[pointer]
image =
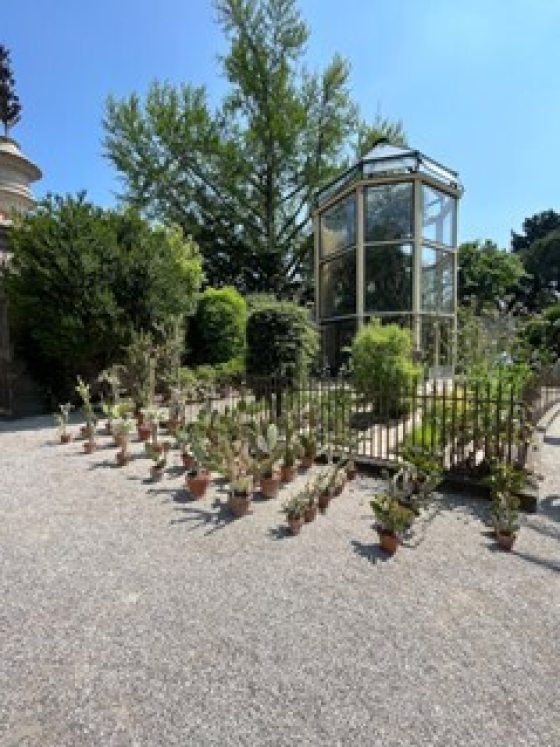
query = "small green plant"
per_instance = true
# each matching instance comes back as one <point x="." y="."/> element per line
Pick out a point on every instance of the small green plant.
<point x="295" y="507"/>
<point x="84" y="392"/>
<point x="61" y="418"/>
<point x="391" y="516"/>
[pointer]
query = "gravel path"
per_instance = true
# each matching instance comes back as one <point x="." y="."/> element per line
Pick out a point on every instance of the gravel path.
<point x="131" y="617"/>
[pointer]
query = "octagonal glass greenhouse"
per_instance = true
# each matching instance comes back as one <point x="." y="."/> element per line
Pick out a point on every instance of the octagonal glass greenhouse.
<point x="386" y="246"/>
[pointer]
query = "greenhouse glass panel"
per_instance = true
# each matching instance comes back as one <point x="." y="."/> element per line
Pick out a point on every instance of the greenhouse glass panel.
<point x="388" y="278"/>
<point x="437" y="216"/>
<point x="438" y="281"/>
<point x="388" y="212"/>
<point x="336" y="339"/>
<point x="338" y="226"/>
<point x="338" y="286"/>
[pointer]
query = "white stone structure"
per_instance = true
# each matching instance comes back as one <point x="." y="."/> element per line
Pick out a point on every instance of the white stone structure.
<point x="16" y="174"/>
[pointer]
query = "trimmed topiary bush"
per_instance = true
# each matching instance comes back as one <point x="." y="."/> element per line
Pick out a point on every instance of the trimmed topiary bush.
<point x="382" y="364"/>
<point x="281" y="341"/>
<point x="218" y="328"/>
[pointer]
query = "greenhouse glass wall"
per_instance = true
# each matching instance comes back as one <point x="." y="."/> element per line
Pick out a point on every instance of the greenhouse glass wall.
<point x="386" y="246"/>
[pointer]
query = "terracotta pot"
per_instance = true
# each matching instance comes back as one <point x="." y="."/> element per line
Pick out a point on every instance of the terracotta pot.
<point x="144" y="431"/>
<point x="197" y="483"/>
<point x="287" y="474"/>
<point x="188" y="461"/>
<point x="157" y="448"/>
<point x="505" y="541"/>
<point x="65" y="438"/>
<point x="156" y="473"/>
<point x="295" y="525"/>
<point x="89" y="447"/>
<point x="122" y="459"/>
<point x="117" y="439"/>
<point x="108" y="428"/>
<point x="85" y="430"/>
<point x="239" y="505"/>
<point x="351" y="473"/>
<point x="310" y="513"/>
<point x="324" y="500"/>
<point x="389" y="541"/>
<point x="139" y="418"/>
<point x="307" y="462"/>
<point x="270" y="486"/>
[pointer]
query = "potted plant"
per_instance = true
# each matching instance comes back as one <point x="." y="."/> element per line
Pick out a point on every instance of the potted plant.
<point x="324" y="488"/>
<point x="84" y="393"/>
<point x="295" y="510"/>
<point x="338" y="480"/>
<point x="198" y="477"/>
<point x="392" y="520"/>
<point x="505" y="481"/>
<point x="61" y="419"/>
<point x="267" y="454"/>
<point x="506" y="520"/>
<point x="90" y="445"/>
<point x="308" y="443"/>
<point x="351" y="469"/>
<point x="241" y="489"/>
<point x="310" y="504"/>
<point x="121" y="432"/>
<point x="183" y="440"/>
<point x="158" y="466"/>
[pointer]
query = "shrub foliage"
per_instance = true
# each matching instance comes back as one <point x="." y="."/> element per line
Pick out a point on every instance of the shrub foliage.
<point x="382" y="361"/>
<point x="281" y="341"/>
<point x="83" y="280"/>
<point x="218" y="328"/>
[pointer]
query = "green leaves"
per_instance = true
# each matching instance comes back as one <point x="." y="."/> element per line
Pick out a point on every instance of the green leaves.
<point x="241" y="179"/>
<point x="83" y="279"/>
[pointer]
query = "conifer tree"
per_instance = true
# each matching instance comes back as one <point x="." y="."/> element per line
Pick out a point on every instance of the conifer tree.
<point x="10" y="107"/>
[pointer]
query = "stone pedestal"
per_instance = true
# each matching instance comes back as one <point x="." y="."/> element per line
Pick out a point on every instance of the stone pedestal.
<point x="16" y="174"/>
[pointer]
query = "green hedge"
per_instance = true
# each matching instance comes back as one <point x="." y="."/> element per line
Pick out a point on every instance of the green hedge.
<point x="281" y="341"/>
<point x="218" y="327"/>
<point x="382" y="363"/>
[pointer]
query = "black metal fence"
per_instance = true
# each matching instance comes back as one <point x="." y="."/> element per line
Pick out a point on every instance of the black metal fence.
<point x="464" y="425"/>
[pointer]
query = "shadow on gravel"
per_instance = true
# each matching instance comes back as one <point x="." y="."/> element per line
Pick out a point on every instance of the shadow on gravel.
<point x="200" y="517"/>
<point x="282" y="531"/>
<point x="550" y="507"/>
<point x="551" y="565"/>
<point x="372" y="553"/>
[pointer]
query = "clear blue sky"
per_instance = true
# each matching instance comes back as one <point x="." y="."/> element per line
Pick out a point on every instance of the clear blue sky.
<point x="475" y="82"/>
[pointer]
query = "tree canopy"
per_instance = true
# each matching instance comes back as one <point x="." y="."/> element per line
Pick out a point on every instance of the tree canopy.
<point x="83" y="279"/>
<point x="534" y="228"/>
<point x="487" y="274"/>
<point x="10" y="107"/>
<point x="241" y="178"/>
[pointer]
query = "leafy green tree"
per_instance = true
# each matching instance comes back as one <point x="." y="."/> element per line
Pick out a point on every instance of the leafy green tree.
<point x="542" y="332"/>
<point x="488" y="275"/>
<point x="542" y="262"/>
<point x="382" y="130"/>
<point x="83" y="279"/>
<point x="241" y="178"/>
<point x="10" y="107"/>
<point x="535" y="227"/>
<point x="218" y="327"/>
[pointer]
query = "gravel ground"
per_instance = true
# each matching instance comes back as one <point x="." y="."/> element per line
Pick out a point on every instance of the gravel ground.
<point x="132" y="617"/>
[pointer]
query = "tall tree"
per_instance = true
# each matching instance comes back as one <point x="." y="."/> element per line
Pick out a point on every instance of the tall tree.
<point x="241" y="178"/>
<point x="489" y="276"/>
<point x="535" y="227"/>
<point x="542" y="262"/>
<point x="10" y="107"/>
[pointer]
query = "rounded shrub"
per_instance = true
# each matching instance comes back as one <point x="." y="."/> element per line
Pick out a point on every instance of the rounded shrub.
<point x="218" y="328"/>
<point x="382" y="364"/>
<point x="281" y="341"/>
